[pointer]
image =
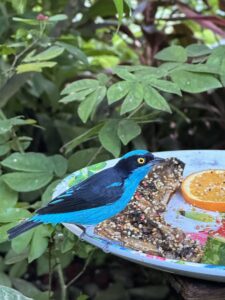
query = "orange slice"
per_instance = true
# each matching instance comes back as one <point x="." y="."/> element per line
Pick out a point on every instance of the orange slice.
<point x="205" y="189"/>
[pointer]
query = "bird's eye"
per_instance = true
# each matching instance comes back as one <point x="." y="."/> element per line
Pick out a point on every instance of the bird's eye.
<point x="141" y="160"/>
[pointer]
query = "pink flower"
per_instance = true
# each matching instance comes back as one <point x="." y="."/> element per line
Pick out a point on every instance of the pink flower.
<point x="41" y="17"/>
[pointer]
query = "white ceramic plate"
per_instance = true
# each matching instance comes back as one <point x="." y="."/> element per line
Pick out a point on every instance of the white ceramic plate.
<point x="195" y="160"/>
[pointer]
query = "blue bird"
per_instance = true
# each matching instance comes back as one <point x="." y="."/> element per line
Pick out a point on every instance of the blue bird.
<point x="99" y="197"/>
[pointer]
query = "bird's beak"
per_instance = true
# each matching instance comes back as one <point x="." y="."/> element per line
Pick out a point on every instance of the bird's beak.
<point x="156" y="160"/>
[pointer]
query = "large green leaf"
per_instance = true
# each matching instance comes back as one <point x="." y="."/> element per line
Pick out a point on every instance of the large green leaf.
<point x="13" y="214"/>
<point x="28" y="162"/>
<point x="109" y="138"/>
<point x="27" y="182"/>
<point x="172" y="53"/>
<point x="60" y="164"/>
<point x="8" y="197"/>
<point x="46" y="55"/>
<point x="81" y="158"/>
<point x="35" y="67"/>
<point x="7" y="293"/>
<point x="80" y="85"/>
<point x="128" y="130"/>
<point x="20" y="243"/>
<point x="117" y="91"/>
<point x="77" y="96"/>
<point x="39" y="242"/>
<point x="166" y="86"/>
<point x="4" y="149"/>
<point x="133" y="98"/>
<point x="5" y="280"/>
<point x="90" y="103"/>
<point x="155" y="100"/>
<point x="196" y="50"/>
<point x="47" y="195"/>
<point x="194" y="82"/>
<point x="124" y="74"/>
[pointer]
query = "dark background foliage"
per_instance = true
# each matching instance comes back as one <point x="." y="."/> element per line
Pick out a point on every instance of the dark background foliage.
<point x="85" y="81"/>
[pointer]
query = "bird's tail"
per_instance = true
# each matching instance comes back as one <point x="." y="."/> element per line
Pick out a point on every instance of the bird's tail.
<point x="21" y="228"/>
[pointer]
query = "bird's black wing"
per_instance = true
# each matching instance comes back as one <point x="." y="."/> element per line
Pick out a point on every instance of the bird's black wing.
<point x="100" y="189"/>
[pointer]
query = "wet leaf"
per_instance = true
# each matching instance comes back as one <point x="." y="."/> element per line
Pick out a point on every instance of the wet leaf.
<point x="128" y="130"/>
<point x="7" y="293"/>
<point x="109" y="138"/>
<point x="172" y="53"/>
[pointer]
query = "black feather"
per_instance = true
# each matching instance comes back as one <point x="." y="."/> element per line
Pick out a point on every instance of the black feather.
<point x="93" y="192"/>
<point x="17" y="230"/>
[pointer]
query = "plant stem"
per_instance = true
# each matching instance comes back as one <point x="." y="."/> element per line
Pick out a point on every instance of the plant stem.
<point x="62" y="284"/>
<point x="95" y="155"/>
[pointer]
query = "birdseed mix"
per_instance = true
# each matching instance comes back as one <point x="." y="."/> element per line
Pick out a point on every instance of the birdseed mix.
<point x="141" y="226"/>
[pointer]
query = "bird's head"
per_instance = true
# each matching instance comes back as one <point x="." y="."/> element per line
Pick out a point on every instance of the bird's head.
<point x="140" y="161"/>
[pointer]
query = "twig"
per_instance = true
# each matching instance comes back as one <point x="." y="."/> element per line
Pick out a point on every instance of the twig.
<point x="62" y="284"/>
<point x="82" y="271"/>
<point x="50" y="268"/>
<point x="95" y="155"/>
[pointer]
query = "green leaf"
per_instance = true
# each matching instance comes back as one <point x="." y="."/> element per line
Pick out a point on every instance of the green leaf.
<point x="200" y="68"/>
<point x="25" y="287"/>
<point x="77" y="53"/>
<point x="4" y="231"/>
<point x="5" y="280"/>
<point x="109" y="138"/>
<point x="81" y="158"/>
<point x="90" y="103"/>
<point x="18" y="269"/>
<point x="28" y="162"/>
<point x="57" y="18"/>
<point x="5" y="126"/>
<point x="80" y="85"/>
<point x="20" y="243"/>
<point x="8" y="196"/>
<point x="7" y="293"/>
<point x="194" y="82"/>
<point x="39" y="243"/>
<point x="77" y="96"/>
<point x="60" y="164"/>
<point x="46" y="55"/>
<point x="12" y="214"/>
<point x="4" y="149"/>
<point x="27" y="182"/>
<point x="133" y="99"/>
<point x="166" y="86"/>
<point x="35" y="67"/>
<point x="119" y="8"/>
<point x="47" y="195"/>
<point x="216" y="58"/>
<point x="84" y="137"/>
<point x="155" y="100"/>
<point x="82" y="297"/>
<point x="196" y="50"/>
<point x="172" y="53"/>
<point x="26" y="21"/>
<point x="128" y="130"/>
<point x="124" y="74"/>
<point x="117" y="91"/>
<point x="12" y="257"/>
